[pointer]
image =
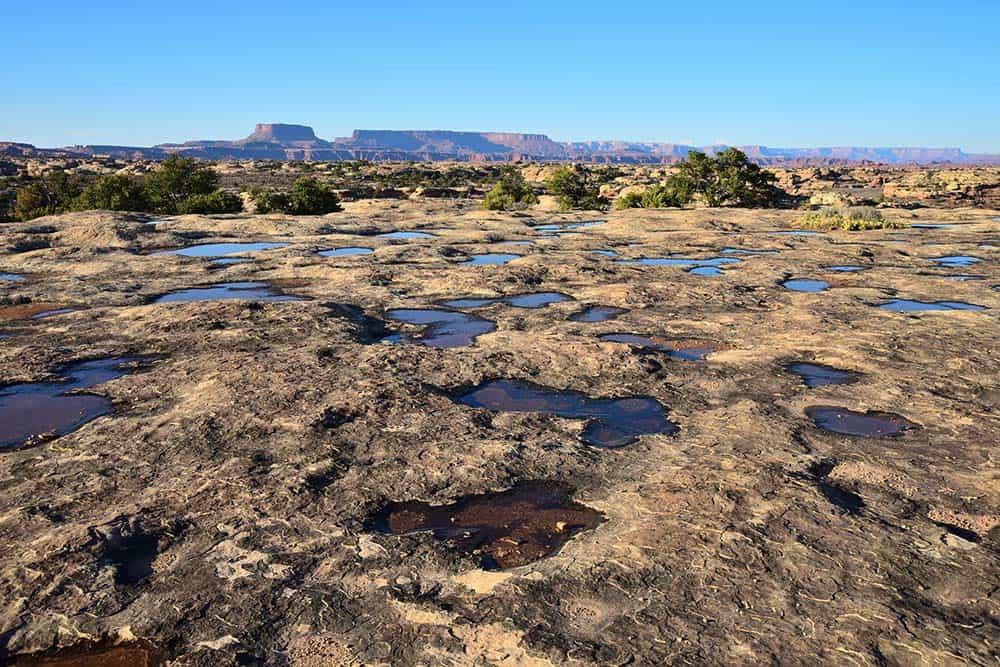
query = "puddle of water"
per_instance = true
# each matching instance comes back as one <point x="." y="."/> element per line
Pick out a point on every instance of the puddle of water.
<point x="685" y="350"/>
<point x="680" y="261"/>
<point x="507" y="529"/>
<point x="517" y="243"/>
<point x="346" y="252"/>
<point x="52" y="313"/>
<point x="406" y="235"/>
<point x="931" y="225"/>
<point x="443" y="328"/>
<point x="565" y="226"/>
<point x="226" y="261"/>
<point x="469" y="303"/>
<point x="13" y="277"/>
<point x="818" y="375"/>
<point x="220" y="249"/>
<point x="34" y="411"/>
<point x="910" y="305"/>
<point x="597" y="314"/>
<point x="747" y="251"/>
<point x="805" y="285"/>
<point x="957" y="261"/>
<point x="90" y="654"/>
<point x="536" y="299"/>
<point x="605" y="253"/>
<point x="863" y="424"/>
<point x="846" y="268"/>
<point x="251" y="291"/>
<point x="24" y="311"/>
<point x="705" y="271"/>
<point x="963" y="277"/>
<point x="490" y="258"/>
<point x="611" y="422"/>
<point x="797" y="232"/>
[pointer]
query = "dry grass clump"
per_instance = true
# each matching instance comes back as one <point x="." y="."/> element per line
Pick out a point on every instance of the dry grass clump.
<point x="851" y="218"/>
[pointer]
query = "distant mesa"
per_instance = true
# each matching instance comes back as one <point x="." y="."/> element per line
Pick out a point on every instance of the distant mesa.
<point x="282" y="141"/>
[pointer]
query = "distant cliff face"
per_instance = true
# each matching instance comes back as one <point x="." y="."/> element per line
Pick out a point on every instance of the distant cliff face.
<point x="280" y="141"/>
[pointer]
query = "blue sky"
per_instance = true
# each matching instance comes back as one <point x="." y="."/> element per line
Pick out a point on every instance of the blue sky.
<point x="803" y="73"/>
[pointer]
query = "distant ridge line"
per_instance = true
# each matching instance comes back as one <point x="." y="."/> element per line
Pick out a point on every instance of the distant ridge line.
<point x="282" y="141"/>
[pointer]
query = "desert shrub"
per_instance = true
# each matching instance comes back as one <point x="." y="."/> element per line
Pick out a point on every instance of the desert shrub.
<point x="114" y="192"/>
<point x="510" y="192"/>
<point x="49" y="194"/>
<point x="218" y="201"/>
<point x="851" y="218"/>
<point x="729" y="179"/>
<point x="675" y="192"/>
<point x="177" y="179"/>
<point x="270" y="201"/>
<point x="628" y="200"/>
<point x="576" y="188"/>
<point x="310" y="197"/>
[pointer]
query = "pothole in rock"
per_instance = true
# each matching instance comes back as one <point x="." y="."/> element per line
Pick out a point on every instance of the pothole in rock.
<point x="805" y="285"/>
<point x="554" y="229"/>
<point x="869" y="424"/>
<point x="249" y="291"/>
<point x="604" y="253"/>
<point x="846" y="268"/>
<point x="819" y="375"/>
<point x="505" y="529"/>
<point x="92" y="654"/>
<point x="405" y="235"/>
<point x="683" y="262"/>
<point x="529" y="300"/>
<point x="964" y="277"/>
<point x="612" y="422"/>
<point x="598" y="314"/>
<point x="33" y="311"/>
<point x="11" y="277"/>
<point x="490" y="258"/>
<point x="910" y="305"/>
<point x="220" y="249"/>
<point x="932" y="225"/>
<point x="350" y="251"/>
<point x="442" y="328"/>
<point x="957" y="261"/>
<point x="33" y="412"/>
<point x="747" y="251"/>
<point x="226" y="261"/>
<point x="688" y="350"/>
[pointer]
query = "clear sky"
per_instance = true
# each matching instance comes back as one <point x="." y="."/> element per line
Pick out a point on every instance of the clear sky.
<point x="878" y="72"/>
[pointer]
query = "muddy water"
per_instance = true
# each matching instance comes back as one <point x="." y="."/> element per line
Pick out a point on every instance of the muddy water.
<point x="686" y="350"/>
<point x="220" y="249"/>
<point x="442" y="328"/>
<point x="346" y="252"/>
<point x="508" y="529"/>
<point x="597" y="314"/>
<point x="52" y="313"/>
<point x="34" y="411"/>
<point x="250" y="291"/>
<point x="91" y="655"/>
<point x="869" y="424"/>
<point x="818" y="375"/>
<point x="611" y="422"/>
<point x="805" y="285"/>
<point x="490" y="258"/>
<point x="909" y="305"/>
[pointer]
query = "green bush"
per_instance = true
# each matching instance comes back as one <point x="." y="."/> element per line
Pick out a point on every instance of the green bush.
<point x="851" y="218"/>
<point x="113" y="192"/>
<point x="675" y="192"/>
<point x="629" y="200"/>
<point x="510" y="192"/>
<point x="269" y="201"/>
<point x="729" y="179"/>
<point x="176" y="180"/>
<point x="576" y="189"/>
<point x="50" y="194"/>
<point x="310" y="197"/>
<point x="218" y="201"/>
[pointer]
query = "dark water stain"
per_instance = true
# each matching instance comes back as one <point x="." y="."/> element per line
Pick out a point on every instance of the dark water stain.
<point x="442" y="328"/>
<point x="12" y="277"/>
<point x="91" y="654"/>
<point x="529" y="300"/>
<point x="251" y="291"/>
<point x="220" y="249"/>
<point x="819" y="375"/>
<point x="32" y="412"/>
<point x="869" y="424"/>
<point x="957" y="261"/>
<point x="368" y="329"/>
<point x="406" y="235"/>
<point x="346" y="252"/>
<point x="597" y="314"/>
<point x="226" y="261"/>
<point x="805" y="285"/>
<point x="686" y="350"/>
<point x="490" y="258"/>
<point x="130" y="551"/>
<point x="910" y="305"/>
<point x="958" y="531"/>
<point x="848" y="501"/>
<point x="846" y="268"/>
<point x="505" y="529"/>
<point x="611" y="422"/>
